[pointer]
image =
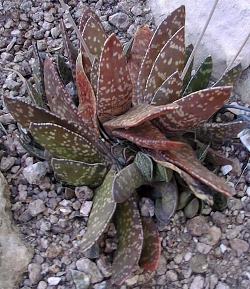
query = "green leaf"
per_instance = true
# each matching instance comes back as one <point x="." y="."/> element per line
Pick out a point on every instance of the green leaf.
<point x="165" y="206"/>
<point x="192" y="208"/>
<point x="126" y="182"/>
<point x="151" y="249"/>
<point x="200" y="79"/>
<point x="220" y="202"/>
<point x="187" y="77"/>
<point x="130" y="241"/>
<point x="145" y="165"/>
<point x="64" y="70"/>
<point x="230" y="77"/>
<point x="162" y="174"/>
<point x="62" y="143"/>
<point x="184" y="198"/>
<point x="77" y="173"/>
<point x="101" y="212"/>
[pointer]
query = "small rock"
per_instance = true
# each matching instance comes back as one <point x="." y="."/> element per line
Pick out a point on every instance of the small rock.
<point x="36" y="207"/>
<point x="34" y="173"/>
<point x="55" y="32"/>
<point x="234" y="204"/>
<point x="53" y="281"/>
<point x="7" y="163"/>
<point x="213" y="280"/>
<point x="7" y="56"/>
<point x="197" y="283"/>
<point x="233" y="233"/>
<point x="239" y="246"/>
<point x="84" y="193"/>
<point x="222" y="285"/>
<point x="147" y="207"/>
<point x="197" y="226"/>
<point x="226" y="169"/>
<point x="69" y="193"/>
<point x="42" y="285"/>
<point x="223" y="248"/>
<point x="12" y="84"/>
<point x="81" y="279"/>
<point x="89" y="267"/>
<point x="219" y="219"/>
<point x="34" y="273"/>
<point x="203" y="248"/>
<point x="93" y="252"/>
<point x="132" y="281"/>
<point x="199" y="263"/>
<point x="102" y="285"/>
<point x="212" y="237"/>
<point x="86" y="208"/>
<point x="53" y="251"/>
<point x="172" y="276"/>
<point x="137" y="10"/>
<point x="120" y="20"/>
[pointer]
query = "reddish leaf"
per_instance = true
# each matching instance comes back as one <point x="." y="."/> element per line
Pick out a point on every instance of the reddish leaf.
<point x="141" y="41"/>
<point x="151" y="249"/>
<point x="164" y="32"/>
<point x="114" y="91"/>
<point x="94" y="74"/>
<point x="195" y="108"/>
<point x="169" y="91"/>
<point x="186" y="160"/>
<point x="130" y="241"/>
<point x="230" y="77"/>
<point x="139" y="114"/>
<point x="147" y="136"/>
<point x="170" y="59"/>
<point x="86" y="96"/>
<point x="85" y="17"/>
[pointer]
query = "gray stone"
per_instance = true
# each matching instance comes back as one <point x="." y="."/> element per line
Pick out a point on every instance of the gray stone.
<point x="239" y="246"/>
<point x="89" y="267"/>
<point x="42" y="285"/>
<point x="7" y="56"/>
<point x="86" y="208"/>
<point x="36" y="172"/>
<point x="197" y="283"/>
<point x="172" y="276"/>
<point x="34" y="273"/>
<point x="222" y="285"/>
<point x="81" y="279"/>
<point x="102" y="285"/>
<point x="84" y="193"/>
<point x="213" y="280"/>
<point x="53" y="281"/>
<point x="36" y="207"/>
<point x="10" y="243"/>
<point x="199" y="263"/>
<point x="197" y="226"/>
<point x="203" y="248"/>
<point x="147" y="207"/>
<point x="137" y="10"/>
<point x="120" y="20"/>
<point x="7" y="163"/>
<point x="11" y="84"/>
<point x="55" y="32"/>
<point x="212" y="237"/>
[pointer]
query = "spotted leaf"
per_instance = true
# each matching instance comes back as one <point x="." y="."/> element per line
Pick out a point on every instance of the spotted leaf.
<point x="170" y="59"/>
<point x="126" y="182"/>
<point x="151" y="249"/>
<point x="139" y="114"/>
<point x="230" y="77"/>
<point x="79" y="173"/>
<point x="138" y="50"/>
<point x="145" y="165"/>
<point x="166" y="205"/>
<point x="188" y="51"/>
<point x="147" y="136"/>
<point x="85" y="17"/>
<point x="130" y="241"/>
<point x="169" y="91"/>
<point x="114" y="93"/>
<point x="200" y="79"/>
<point x="94" y="74"/>
<point x="86" y="96"/>
<point x="63" y="143"/>
<point x="195" y="108"/>
<point x="64" y="70"/>
<point x="163" y="33"/>
<point x="101" y="213"/>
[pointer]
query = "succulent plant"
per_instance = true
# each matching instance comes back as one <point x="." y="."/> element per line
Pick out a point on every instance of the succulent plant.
<point x="126" y="131"/>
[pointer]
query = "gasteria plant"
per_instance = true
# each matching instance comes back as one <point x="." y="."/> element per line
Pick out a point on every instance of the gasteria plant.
<point x="126" y="131"/>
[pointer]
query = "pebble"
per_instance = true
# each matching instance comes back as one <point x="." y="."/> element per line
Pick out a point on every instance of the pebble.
<point x="34" y="273"/>
<point x="203" y="248"/>
<point x="212" y="237"/>
<point x="197" y="226"/>
<point x="172" y="276"/>
<point x="120" y="20"/>
<point x="239" y="246"/>
<point x="86" y="208"/>
<point x="36" y="172"/>
<point x="84" y="193"/>
<point x="222" y="285"/>
<point x="199" y="263"/>
<point x="53" y="281"/>
<point x="89" y="267"/>
<point x="197" y="283"/>
<point x="42" y="285"/>
<point x="226" y="169"/>
<point x="36" y="207"/>
<point x="7" y="163"/>
<point x="81" y="279"/>
<point x="147" y="207"/>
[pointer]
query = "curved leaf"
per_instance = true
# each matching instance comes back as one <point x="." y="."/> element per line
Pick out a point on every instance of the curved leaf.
<point x="151" y="249"/>
<point x="188" y="51"/>
<point x="126" y="182"/>
<point x="162" y="174"/>
<point x="77" y="173"/>
<point x="94" y="74"/>
<point x="130" y="241"/>
<point x="114" y="92"/>
<point x="64" y="70"/>
<point x="87" y="13"/>
<point x="230" y="77"/>
<point x="145" y="165"/>
<point x="64" y="144"/>
<point x="192" y="208"/>
<point x="101" y="212"/>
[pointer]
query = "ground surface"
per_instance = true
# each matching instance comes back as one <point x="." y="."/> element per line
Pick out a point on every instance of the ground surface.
<point x="209" y="251"/>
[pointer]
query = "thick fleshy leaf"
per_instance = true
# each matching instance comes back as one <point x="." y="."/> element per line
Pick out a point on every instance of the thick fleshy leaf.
<point x="184" y="198"/>
<point x="230" y="77"/>
<point x="62" y="143"/>
<point x="186" y="160"/>
<point x="169" y="91"/>
<point x="200" y="79"/>
<point x="188" y="75"/>
<point x="140" y="114"/>
<point x="162" y="174"/>
<point x="139" y="47"/>
<point x="101" y="213"/>
<point x="147" y="136"/>
<point x="114" y="93"/>
<point x="71" y="51"/>
<point x="221" y="132"/>
<point x="87" y="13"/>
<point x="151" y="249"/>
<point x="94" y="74"/>
<point x="170" y="59"/>
<point x="94" y="36"/>
<point x="166" y="205"/>
<point x="195" y="108"/>
<point x="126" y="182"/>
<point x="163" y="33"/>
<point x="192" y="208"/>
<point x="130" y="241"/>
<point x="145" y="165"/>
<point x="64" y="70"/>
<point x="86" y="96"/>
<point x="79" y="173"/>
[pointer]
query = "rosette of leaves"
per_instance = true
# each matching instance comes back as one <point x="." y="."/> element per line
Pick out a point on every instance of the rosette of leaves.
<point x="124" y="132"/>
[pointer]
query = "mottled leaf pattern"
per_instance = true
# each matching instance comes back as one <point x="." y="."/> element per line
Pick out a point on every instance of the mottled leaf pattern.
<point x="151" y="249"/>
<point x="94" y="74"/>
<point x="140" y="114"/>
<point x="169" y="91"/>
<point x="86" y="96"/>
<point x="79" y="173"/>
<point x="85" y="17"/>
<point x="187" y="77"/>
<point x="147" y="136"/>
<point x="64" y="70"/>
<point x="126" y="181"/>
<point x="230" y="77"/>
<point x="101" y="212"/>
<point x="163" y="33"/>
<point x="170" y="59"/>
<point x="140" y="44"/>
<point x="145" y="165"/>
<point x="114" y="93"/>
<point x="65" y="144"/>
<point x="200" y="79"/>
<point x="130" y="241"/>
<point x="195" y="108"/>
